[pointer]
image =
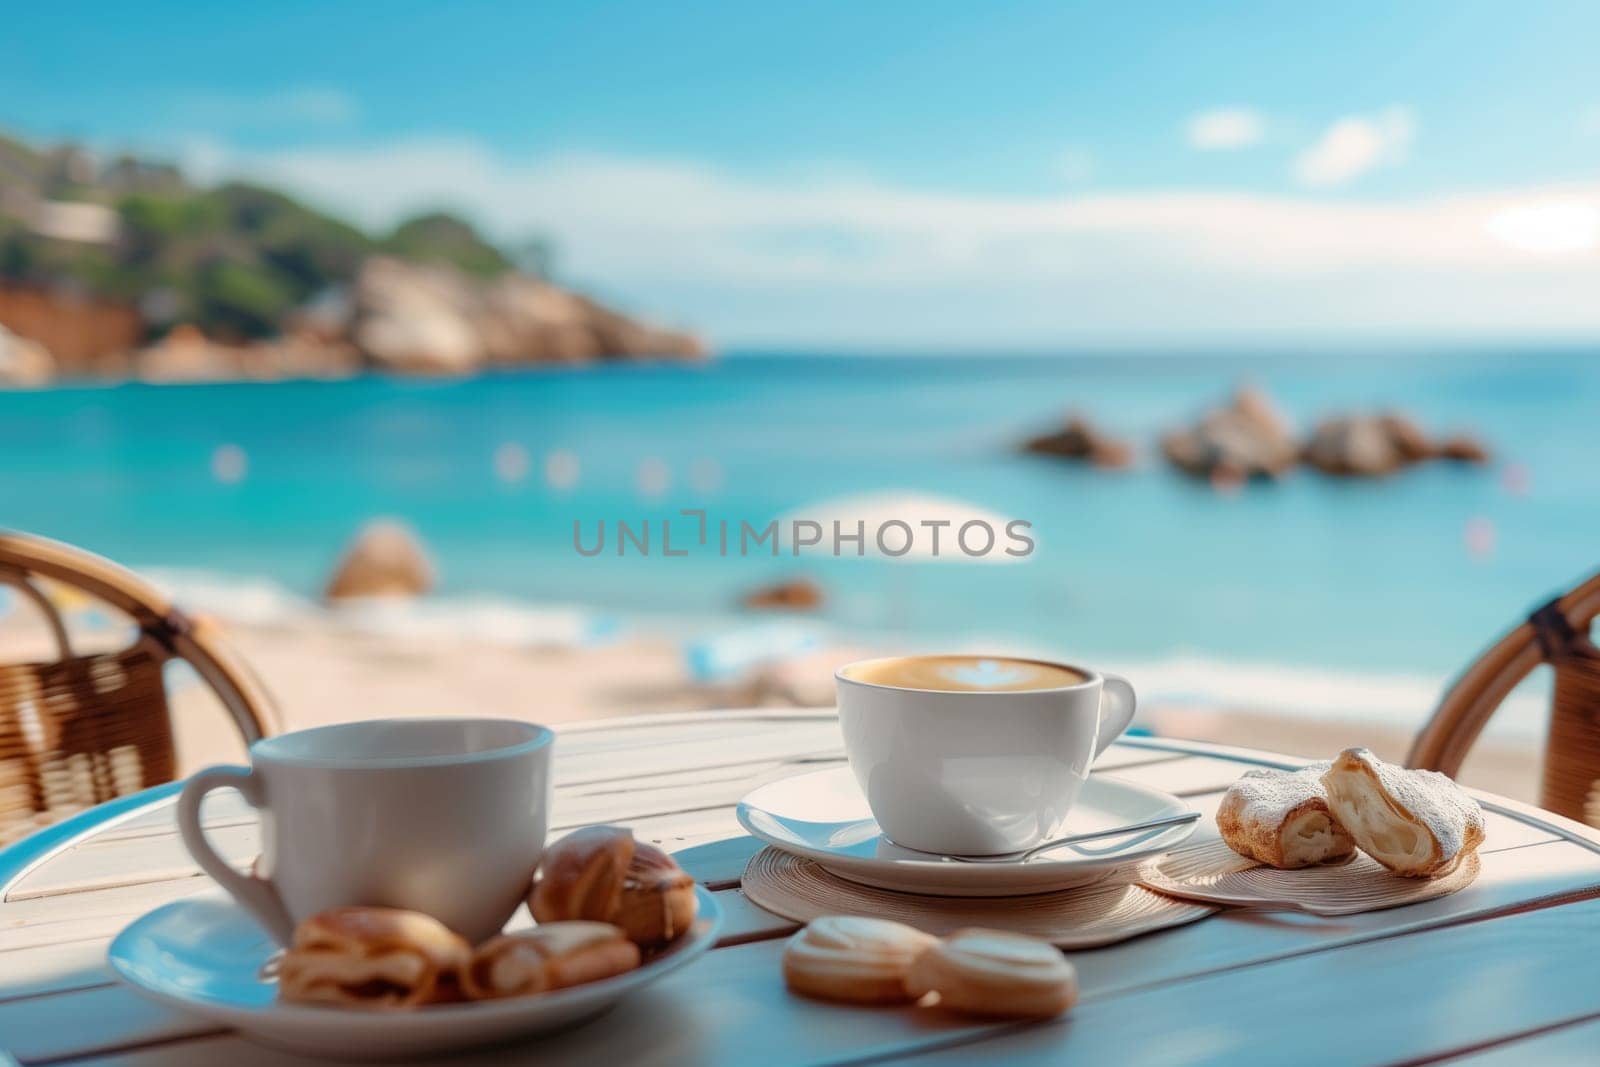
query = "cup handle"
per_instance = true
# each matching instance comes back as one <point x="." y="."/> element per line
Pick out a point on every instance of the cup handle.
<point x="256" y="894"/>
<point x="1117" y="705"/>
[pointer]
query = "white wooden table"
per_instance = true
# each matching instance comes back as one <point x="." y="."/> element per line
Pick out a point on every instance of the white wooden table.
<point x="1505" y="972"/>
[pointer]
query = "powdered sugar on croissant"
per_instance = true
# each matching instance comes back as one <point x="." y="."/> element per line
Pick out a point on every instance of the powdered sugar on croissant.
<point x="1416" y="823"/>
<point x="1281" y="818"/>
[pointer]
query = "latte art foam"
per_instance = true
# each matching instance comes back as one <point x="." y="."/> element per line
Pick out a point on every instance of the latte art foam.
<point x="964" y="674"/>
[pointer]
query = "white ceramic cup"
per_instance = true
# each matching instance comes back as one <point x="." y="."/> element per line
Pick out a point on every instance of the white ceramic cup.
<point x="442" y="816"/>
<point x="977" y="773"/>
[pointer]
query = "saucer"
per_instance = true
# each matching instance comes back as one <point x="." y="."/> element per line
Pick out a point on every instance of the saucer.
<point x="823" y="817"/>
<point x="206" y="955"/>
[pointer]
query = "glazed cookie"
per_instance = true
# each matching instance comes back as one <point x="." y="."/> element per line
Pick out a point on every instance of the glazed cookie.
<point x="855" y="959"/>
<point x="988" y="972"/>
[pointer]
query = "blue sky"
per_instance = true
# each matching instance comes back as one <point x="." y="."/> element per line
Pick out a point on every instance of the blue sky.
<point x="911" y="174"/>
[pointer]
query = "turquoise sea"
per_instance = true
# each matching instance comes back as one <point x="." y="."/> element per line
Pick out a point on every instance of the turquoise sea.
<point x="1141" y="566"/>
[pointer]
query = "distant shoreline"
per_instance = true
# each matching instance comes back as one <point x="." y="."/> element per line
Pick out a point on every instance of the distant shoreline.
<point x="1140" y="359"/>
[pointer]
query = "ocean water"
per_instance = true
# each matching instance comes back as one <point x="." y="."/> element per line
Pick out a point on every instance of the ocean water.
<point x="1324" y="577"/>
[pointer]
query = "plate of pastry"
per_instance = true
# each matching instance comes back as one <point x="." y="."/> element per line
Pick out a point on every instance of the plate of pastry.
<point x="1339" y="837"/>
<point x="384" y="983"/>
<point x="824" y="817"/>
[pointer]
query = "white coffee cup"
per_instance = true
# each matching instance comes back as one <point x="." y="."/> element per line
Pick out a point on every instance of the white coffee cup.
<point x="443" y="816"/>
<point x="976" y="773"/>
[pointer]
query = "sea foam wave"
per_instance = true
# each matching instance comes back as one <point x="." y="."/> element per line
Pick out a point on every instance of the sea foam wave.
<point x="499" y="621"/>
<point x="1184" y="680"/>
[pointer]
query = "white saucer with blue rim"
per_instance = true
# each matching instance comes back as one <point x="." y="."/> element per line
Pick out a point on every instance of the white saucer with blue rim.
<point x="207" y="956"/>
<point x="824" y="817"/>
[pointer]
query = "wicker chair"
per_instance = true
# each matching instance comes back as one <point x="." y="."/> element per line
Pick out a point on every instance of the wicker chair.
<point x="1556" y="634"/>
<point x="84" y="729"/>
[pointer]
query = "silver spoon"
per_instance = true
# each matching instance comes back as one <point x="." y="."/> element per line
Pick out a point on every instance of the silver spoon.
<point x="1073" y="839"/>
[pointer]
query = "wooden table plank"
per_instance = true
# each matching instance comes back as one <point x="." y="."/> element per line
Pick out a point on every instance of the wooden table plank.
<point x="1190" y="776"/>
<point x="1573" y="1045"/>
<point x="225" y="807"/>
<point x="54" y="968"/>
<point x="1385" y="1002"/>
<point x="721" y="863"/>
<point x="590" y="755"/>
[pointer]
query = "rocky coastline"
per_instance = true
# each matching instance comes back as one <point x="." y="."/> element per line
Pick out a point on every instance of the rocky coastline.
<point x="123" y="269"/>
<point x="396" y="318"/>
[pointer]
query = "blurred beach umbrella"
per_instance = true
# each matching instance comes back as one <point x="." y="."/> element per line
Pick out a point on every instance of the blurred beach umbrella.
<point x="925" y="526"/>
<point x="904" y="526"/>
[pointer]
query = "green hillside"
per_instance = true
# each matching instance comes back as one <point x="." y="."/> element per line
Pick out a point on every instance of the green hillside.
<point x="233" y="259"/>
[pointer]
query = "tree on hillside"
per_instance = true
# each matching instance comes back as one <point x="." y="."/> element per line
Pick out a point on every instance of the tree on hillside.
<point x="440" y="237"/>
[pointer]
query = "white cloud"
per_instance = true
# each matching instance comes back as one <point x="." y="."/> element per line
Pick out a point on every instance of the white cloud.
<point x="1548" y="227"/>
<point x="1355" y="145"/>
<point x="833" y="258"/>
<point x="1225" y="128"/>
<point x="301" y="106"/>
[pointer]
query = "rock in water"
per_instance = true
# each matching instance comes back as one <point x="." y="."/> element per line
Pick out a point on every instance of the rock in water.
<point x="1407" y="436"/>
<point x="1354" y="446"/>
<point x="1079" y="439"/>
<point x="1371" y="446"/>
<point x="1463" y="448"/>
<point x="1248" y="438"/>
<point x="384" y="559"/>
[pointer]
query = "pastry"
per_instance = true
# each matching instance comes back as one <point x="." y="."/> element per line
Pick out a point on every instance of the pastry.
<point x="550" y="956"/>
<point x="988" y="972"/>
<point x="658" y="901"/>
<point x="1416" y="823"/>
<point x="600" y="873"/>
<point x="1281" y="818"/>
<point x="371" y="958"/>
<point x="855" y="959"/>
<point x="581" y="875"/>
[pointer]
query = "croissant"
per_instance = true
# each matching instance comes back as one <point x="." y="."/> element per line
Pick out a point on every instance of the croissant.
<point x="1281" y="818"/>
<point x="1416" y="823"/>
<point x="550" y="956"/>
<point x="602" y="874"/>
<point x="371" y="958"/>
